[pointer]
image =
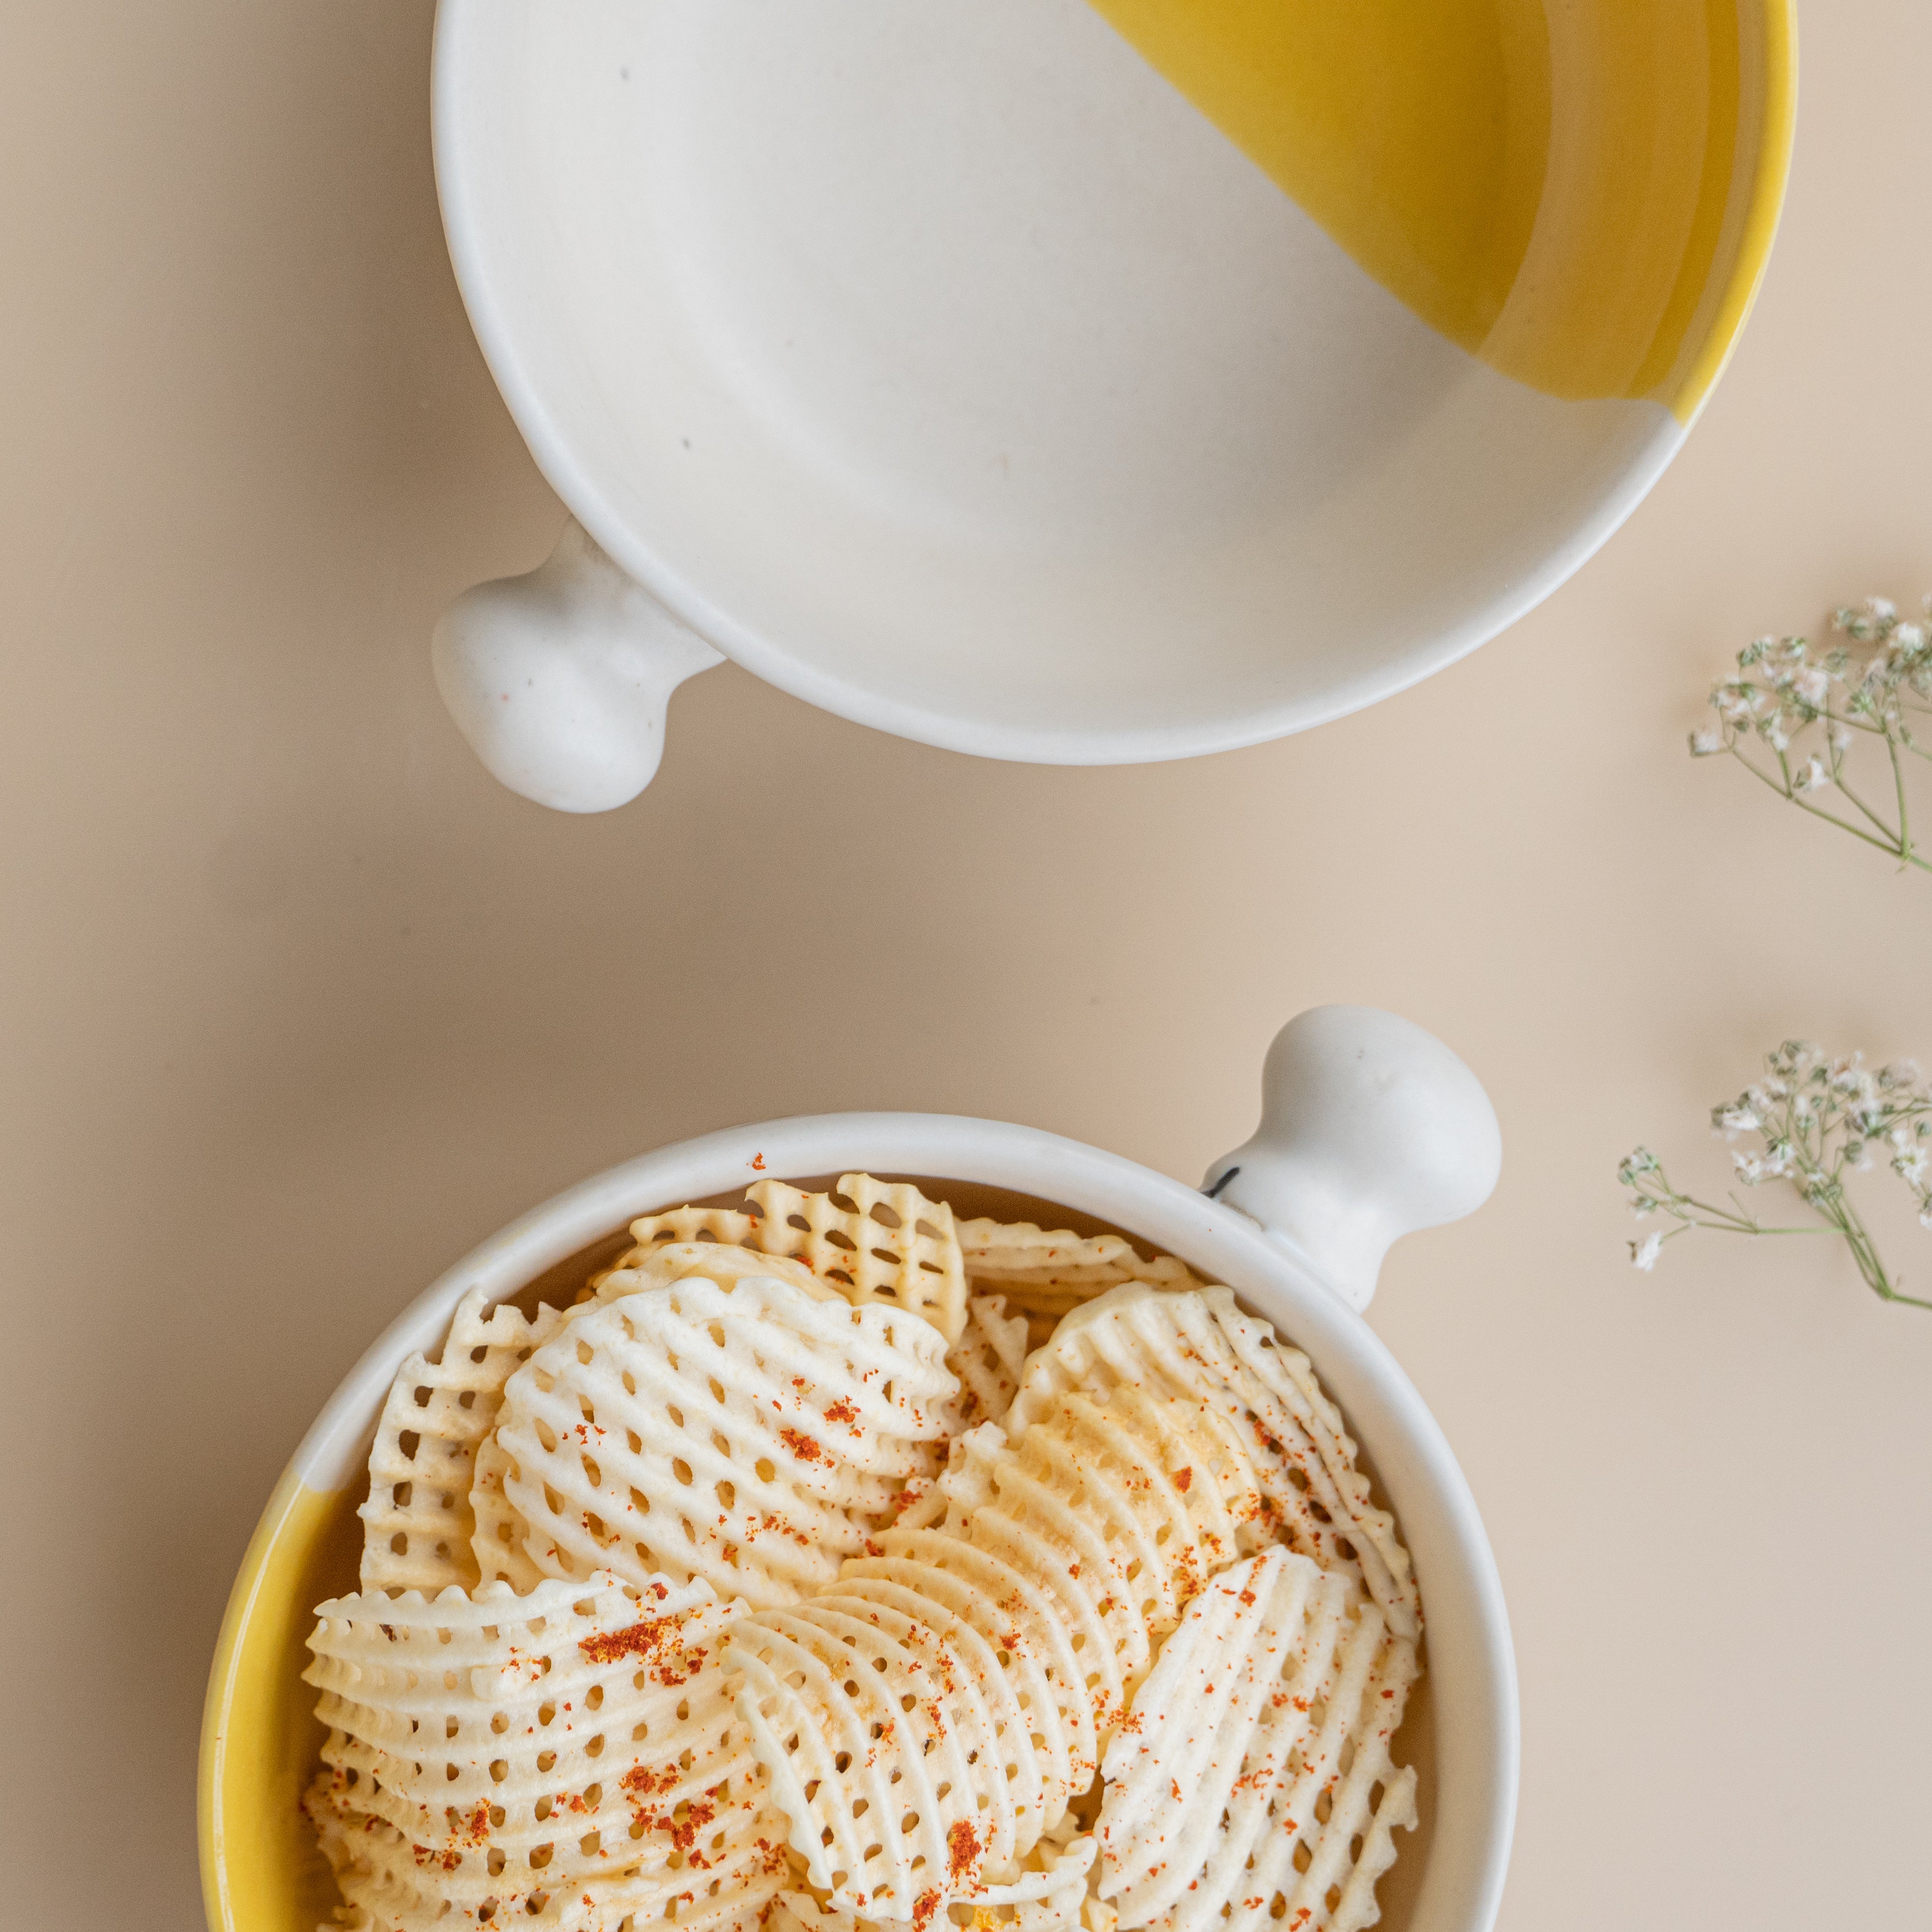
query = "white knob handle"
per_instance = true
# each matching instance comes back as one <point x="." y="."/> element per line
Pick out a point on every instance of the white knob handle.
<point x="1370" y="1129"/>
<point x="560" y="679"/>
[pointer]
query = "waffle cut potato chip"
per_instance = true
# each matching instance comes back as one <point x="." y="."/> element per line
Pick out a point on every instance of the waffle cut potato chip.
<point x="1044" y="1275"/>
<point x="1017" y="1623"/>
<point x="1272" y="1707"/>
<point x="569" y="1757"/>
<point x="1120" y="1509"/>
<point x="875" y="1240"/>
<point x="987" y="1359"/>
<point x="417" y="1523"/>
<point x="1198" y="1345"/>
<point x="684" y="1261"/>
<point x="895" y="1745"/>
<point x="872" y="1240"/>
<point x="497" y="1539"/>
<point x="751" y="1437"/>
<point x="1049" y="1892"/>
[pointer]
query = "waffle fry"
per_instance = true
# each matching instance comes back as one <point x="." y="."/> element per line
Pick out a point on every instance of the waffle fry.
<point x="1272" y="1706"/>
<point x="1048" y="1893"/>
<point x="418" y="1524"/>
<point x="750" y="1437"/>
<point x="530" y="1751"/>
<point x="1198" y="1345"/>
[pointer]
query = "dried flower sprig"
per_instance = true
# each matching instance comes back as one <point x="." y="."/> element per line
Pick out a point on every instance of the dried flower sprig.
<point x="1810" y="1123"/>
<point x="1795" y="716"/>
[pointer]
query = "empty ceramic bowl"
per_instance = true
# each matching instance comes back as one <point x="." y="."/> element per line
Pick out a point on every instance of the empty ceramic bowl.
<point x="1076" y="380"/>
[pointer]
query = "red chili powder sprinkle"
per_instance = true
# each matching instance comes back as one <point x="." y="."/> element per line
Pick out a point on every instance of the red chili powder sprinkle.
<point x="1184" y="1480"/>
<point x="803" y="1447"/>
<point x="639" y="1640"/>
<point x="962" y="1850"/>
<point x="923" y="1907"/>
<point x="844" y="1410"/>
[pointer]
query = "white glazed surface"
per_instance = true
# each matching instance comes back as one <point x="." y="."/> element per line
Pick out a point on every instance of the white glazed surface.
<point x="1472" y="1672"/>
<point x="1019" y="416"/>
<point x="1370" y="1130"/>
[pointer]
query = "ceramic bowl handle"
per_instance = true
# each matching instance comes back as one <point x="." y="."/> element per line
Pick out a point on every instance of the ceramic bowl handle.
<point x="1370" y="1129"/>
<point x="560" y="679"/>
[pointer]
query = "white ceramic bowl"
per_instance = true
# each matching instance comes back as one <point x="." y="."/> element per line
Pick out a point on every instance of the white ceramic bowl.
<point x="1075" y="380"/>
<point x="1370" y="1128"/>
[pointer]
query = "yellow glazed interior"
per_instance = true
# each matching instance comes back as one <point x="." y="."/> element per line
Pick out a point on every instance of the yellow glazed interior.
<point x="261" y="1869"/>
<point x="1582" y="193"/>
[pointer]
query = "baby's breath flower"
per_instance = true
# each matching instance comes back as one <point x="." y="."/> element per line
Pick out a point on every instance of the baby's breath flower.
<point x="1816" y="1120"/>
<point x="1794" y="716"/>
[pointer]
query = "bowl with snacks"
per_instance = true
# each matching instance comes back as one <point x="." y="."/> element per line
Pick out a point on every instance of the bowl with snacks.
<point x="1077" y="381"/>
<point x="888" y="1521"/>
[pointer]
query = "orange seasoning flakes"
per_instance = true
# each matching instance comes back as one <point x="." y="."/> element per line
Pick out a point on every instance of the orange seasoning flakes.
<point x="640" y="1640"/>
<point x="804" y="1447"/>
<point x="962" y="1852"/>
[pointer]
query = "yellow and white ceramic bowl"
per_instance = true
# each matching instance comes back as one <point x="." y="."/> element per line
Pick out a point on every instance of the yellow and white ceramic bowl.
<point x="1077" y="380"/>
<point x="1370" y="1129"/>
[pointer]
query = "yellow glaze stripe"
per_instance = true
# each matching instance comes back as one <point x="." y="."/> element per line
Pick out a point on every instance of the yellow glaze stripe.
<point x="1769" y="93"/>
<point x="260" y="1869"/>
<point x="1581" y="192"/>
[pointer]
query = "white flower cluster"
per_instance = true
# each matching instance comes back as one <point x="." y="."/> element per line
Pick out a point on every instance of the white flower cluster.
<point x="1793" y="716"/>
<point x="1811" y="1122"/>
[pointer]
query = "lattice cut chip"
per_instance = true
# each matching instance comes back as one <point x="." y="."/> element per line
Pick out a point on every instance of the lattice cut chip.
<point x="418" y="1522"/>
<point x="987" y="1358"/>
<point x="1048" y="1892"/>
<point x="751" y="1436"/>
<point x="895" y="1744"/>
<point x="1030" y="1255"/>
<point x="1045" y="1274"/>
<point x="657" y="1266"/>
<point x="1119" y="1509"/>
<point x="1272" y="1707"/>
<point x="730" y="1227"/>
<point x="876" y="1240"/>
<point x="498" y="1540"/>
<point x="1198" y="1346"/>
<point x="527" y="1750"/>
<point x="1018" y="1624"/>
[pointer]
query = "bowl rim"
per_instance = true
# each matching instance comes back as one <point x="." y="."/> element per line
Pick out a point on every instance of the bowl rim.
<point x="766" y="657"/>
<point x="1347" y="1354"/>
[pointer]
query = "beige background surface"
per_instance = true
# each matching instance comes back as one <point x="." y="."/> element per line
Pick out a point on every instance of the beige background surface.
<point x="297" y="1005"/>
